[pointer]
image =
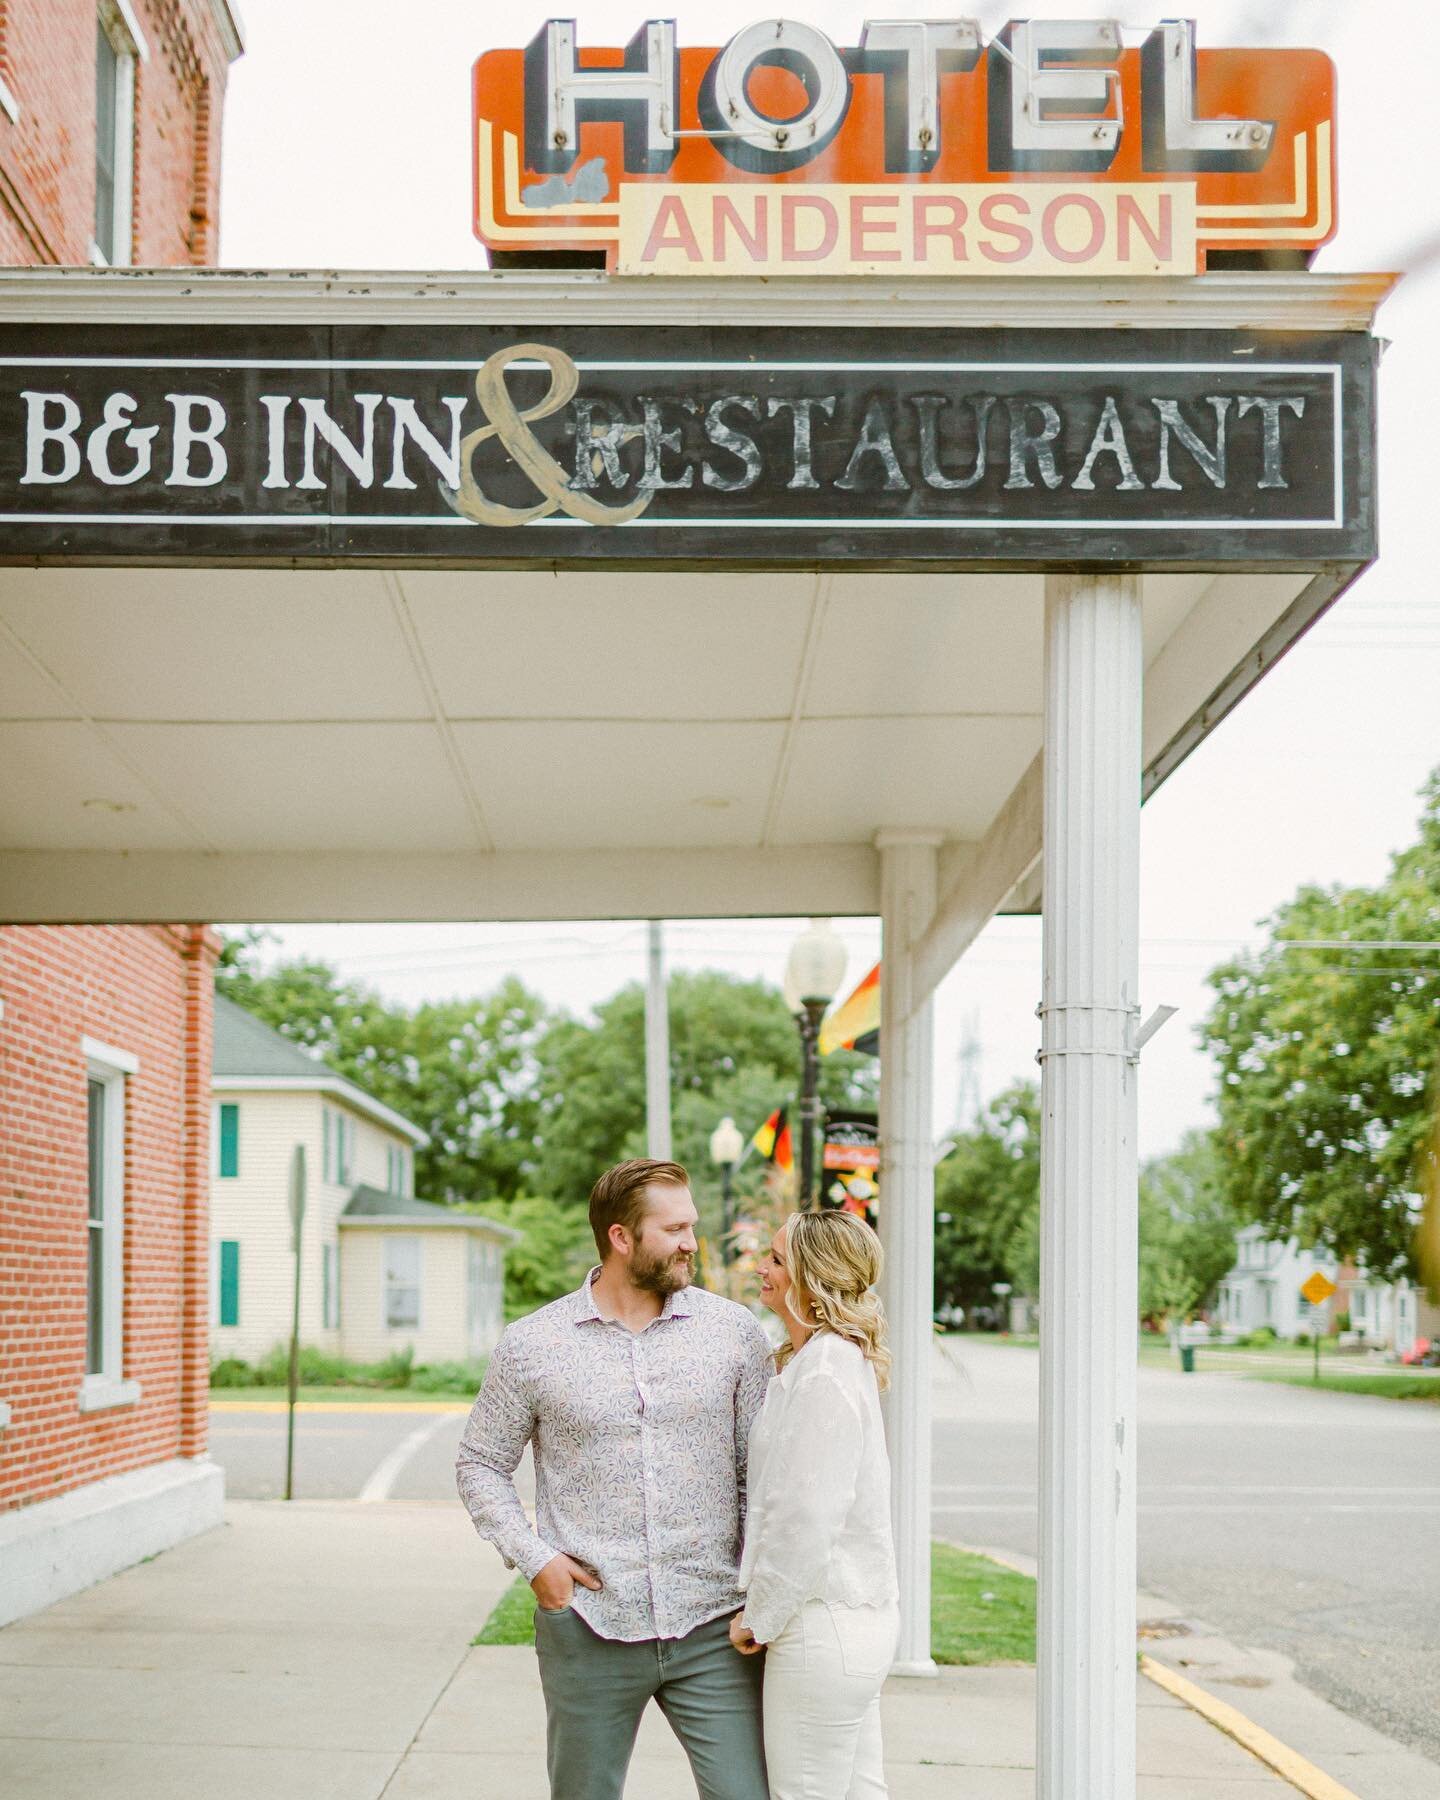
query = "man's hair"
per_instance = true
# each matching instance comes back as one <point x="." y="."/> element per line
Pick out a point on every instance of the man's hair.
<point x="618" y="1197"/>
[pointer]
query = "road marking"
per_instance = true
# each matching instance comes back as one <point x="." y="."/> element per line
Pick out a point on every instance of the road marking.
<point x="1287" y="1763"/>
<point x="382" y="1478"/>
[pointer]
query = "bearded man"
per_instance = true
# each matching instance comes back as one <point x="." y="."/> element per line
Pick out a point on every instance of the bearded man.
<point x="636" y="1393"/>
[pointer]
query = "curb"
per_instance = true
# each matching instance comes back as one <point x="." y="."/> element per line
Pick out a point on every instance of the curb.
<point x="1287" y="1763"/>
<point x="1314" y="1783"/>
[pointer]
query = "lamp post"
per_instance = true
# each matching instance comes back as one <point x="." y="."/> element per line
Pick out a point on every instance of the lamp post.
<point x="726" y="1148"/>
<point x="813" y="973"/>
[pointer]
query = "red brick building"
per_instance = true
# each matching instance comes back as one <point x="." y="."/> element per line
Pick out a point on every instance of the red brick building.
<point x="110" y="114"/>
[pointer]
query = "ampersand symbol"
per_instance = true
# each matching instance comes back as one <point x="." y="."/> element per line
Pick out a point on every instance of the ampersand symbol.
<point x="511" y="425"/>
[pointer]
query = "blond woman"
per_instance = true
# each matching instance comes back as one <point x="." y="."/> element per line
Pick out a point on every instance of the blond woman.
<point x="818" y="1566"/>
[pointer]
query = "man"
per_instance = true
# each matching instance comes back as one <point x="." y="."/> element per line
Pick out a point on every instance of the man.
<point x="637" y="1393"/>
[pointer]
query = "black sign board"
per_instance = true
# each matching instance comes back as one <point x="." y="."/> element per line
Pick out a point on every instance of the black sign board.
<point x="682" y="446"/>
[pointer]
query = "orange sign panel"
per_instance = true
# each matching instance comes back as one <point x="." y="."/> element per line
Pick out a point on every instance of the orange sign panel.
<point x="1053" y="149"/>
<point x="1317" y="1289"/>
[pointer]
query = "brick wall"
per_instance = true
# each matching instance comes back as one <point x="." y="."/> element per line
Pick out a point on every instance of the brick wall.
<point x="146" y="991"/>
<point x="47" y="154"/>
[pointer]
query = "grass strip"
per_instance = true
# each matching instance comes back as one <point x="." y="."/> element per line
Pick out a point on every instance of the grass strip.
<point x="1402" y="1385"/>
<point x="981" y="1612"/>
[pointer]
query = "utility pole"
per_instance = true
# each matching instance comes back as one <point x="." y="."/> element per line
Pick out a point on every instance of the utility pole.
<point x="657" y="1050"/>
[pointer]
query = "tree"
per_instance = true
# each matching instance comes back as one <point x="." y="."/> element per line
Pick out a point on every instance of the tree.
<point x="1187" y="1228"/>
<point x="989" y="1184"/>
<point x="464" y="1071"/>
<point x="734" y="1049"/>
<point x="1326" y="1060"/>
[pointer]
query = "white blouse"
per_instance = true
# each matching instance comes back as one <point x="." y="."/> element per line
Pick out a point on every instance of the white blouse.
<point x="818" y="1513"/>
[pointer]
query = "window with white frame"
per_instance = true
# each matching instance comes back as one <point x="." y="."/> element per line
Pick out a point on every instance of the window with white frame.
<point x="402" y="1281"/>
<point x="119" y="46"/>
<point x="339" y="1145"/>
<point x="397" y="1169"/>
<point x="105" y="1075"/>
<point x="330" y="1282"/>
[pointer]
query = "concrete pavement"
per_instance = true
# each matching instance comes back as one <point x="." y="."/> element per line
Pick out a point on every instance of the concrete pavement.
<point x="321" y="1650"/>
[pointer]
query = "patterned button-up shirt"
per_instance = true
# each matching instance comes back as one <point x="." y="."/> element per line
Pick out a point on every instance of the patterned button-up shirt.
<point x="640" y="1441"/>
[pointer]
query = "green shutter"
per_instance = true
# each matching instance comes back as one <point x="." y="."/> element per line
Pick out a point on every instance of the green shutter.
<point x="229" y="1140"/>
<point x="229" y="1281"/>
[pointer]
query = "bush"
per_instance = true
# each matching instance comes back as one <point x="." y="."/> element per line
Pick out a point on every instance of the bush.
<point x="231" y="1371"/>
<point x="1262" y="1338"/>
<point x="317" y="1367"/>
<point x="445" y="1377"/>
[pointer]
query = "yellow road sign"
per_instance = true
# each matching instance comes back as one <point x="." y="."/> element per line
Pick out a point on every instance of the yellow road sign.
<point x="1318" y="1288"/>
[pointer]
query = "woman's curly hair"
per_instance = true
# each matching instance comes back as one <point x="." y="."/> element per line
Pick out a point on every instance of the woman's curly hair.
<point x="834" y="1260"/>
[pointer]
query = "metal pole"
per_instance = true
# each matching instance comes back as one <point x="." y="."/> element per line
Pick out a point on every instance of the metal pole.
<point x="657" y="1051"/>
<point x="292" y="1382"/>
<point x="907" y="1223"/>
<point x="809" y="1022"/>
<point x="1089" y="1207"/>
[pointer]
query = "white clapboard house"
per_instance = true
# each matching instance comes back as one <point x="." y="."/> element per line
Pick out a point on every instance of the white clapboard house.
<point x="379" y="1268"/>
<point x="1263" y="1287"/>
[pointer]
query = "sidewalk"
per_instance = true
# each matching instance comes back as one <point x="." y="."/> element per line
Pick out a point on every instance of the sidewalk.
<point x="320" y="1651"/>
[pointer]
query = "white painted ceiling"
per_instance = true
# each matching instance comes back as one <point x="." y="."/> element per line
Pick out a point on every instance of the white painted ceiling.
<point x="293" y="711"/>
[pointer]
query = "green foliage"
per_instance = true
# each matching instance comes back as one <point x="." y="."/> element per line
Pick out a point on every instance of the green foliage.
<point x="447" y="1377"/>
<point x="463" y="1070"/>
<point x="734" y="1048"/>
<point x="552" y="1256"/>
<point x="1187" y="1229"/>
<point x="1391" y="1384"/>
<point x="1326" y="1062"/>
<point x="232" y="1371"/>
<point x="318" y="1369"/>
<point x="989" y="1184"/>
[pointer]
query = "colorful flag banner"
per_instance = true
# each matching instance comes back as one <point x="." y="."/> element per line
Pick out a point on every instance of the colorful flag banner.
<point x="774" y="1142"/>
<point x="855" y="1024"/>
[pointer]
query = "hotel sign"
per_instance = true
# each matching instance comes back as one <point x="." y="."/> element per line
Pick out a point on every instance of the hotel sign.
<point x="686" y="446"/>
<point x="1053" y="149"/>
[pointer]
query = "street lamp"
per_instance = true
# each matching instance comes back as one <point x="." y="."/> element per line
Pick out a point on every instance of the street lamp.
<point x="813" y="973"/>
<point x="727" y="1146"/>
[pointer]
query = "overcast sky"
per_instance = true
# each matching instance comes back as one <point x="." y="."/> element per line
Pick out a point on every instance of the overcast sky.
<point x="347" y="145"/>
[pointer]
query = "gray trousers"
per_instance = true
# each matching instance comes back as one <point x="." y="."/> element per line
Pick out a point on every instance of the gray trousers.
<point x="596" y="1689"/>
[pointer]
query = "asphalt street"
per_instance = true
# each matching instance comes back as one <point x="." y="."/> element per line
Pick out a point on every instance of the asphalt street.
<point x="1307" y="1523"/>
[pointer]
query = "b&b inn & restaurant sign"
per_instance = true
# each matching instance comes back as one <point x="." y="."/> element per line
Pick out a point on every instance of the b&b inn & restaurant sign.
<point x="1051" y="150"/>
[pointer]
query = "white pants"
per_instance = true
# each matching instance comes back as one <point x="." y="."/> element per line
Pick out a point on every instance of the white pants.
<point x="823" y="1676"/>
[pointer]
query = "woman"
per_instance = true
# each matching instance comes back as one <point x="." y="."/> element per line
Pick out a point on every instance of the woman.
<point x="818" y="1568"/>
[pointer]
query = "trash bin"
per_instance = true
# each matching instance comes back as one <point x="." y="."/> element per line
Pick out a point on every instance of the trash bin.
<point x="1187" y="1359"/>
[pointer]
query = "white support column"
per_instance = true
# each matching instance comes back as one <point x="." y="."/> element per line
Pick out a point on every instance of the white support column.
<point x="1086" y="1649"/>
<point x="657" y="1049"/>
<point x="907" y="1219"/>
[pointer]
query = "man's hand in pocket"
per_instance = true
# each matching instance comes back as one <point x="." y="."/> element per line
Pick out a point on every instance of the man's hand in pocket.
<point x="556" y="1583"/>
